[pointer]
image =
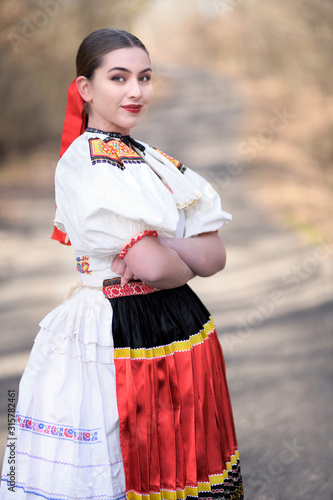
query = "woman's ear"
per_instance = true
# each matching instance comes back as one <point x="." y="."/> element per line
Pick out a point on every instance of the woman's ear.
<point x="84" y="89"/>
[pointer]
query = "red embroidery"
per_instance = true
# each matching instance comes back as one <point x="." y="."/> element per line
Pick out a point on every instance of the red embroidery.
<point x="135" y="239"/>
<point x="134" y="288"/>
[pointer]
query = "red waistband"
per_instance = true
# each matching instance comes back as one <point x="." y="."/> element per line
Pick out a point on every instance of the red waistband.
<point x="112" y="288"/>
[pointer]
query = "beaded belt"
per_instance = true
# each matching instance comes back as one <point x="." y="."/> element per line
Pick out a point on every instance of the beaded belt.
<point x="112" y="288"/>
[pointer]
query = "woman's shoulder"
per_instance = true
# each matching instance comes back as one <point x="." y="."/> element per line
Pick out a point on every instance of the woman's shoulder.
<point x="78" y="150"/>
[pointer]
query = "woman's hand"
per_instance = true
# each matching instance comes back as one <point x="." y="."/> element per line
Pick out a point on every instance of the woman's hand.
<point x="119" y="266"/>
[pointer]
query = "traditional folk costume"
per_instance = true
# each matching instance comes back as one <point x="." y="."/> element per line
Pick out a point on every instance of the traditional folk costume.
<point x="125" y="395"/>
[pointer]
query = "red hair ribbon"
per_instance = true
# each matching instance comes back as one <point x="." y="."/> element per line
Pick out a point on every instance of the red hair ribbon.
<point x="74" y="126"/>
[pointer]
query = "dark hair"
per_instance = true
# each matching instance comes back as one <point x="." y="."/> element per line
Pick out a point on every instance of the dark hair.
<point x="100" y="42"/>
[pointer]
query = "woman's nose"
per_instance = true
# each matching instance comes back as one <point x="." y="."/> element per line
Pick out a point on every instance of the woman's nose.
<point x="134" y="89"/>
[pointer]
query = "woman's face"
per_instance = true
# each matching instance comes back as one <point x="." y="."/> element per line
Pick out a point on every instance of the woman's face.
<point x="120" y="90"/>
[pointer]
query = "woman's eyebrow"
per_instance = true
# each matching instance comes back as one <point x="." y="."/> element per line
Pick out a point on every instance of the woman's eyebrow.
<point x="118" y="68"/>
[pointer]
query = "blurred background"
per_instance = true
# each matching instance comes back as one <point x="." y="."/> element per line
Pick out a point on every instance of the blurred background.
<point x="279" y="53"/>
<point x="243" y="94"/>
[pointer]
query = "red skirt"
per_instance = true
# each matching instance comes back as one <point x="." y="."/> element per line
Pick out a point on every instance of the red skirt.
<point x="176" y="427"/>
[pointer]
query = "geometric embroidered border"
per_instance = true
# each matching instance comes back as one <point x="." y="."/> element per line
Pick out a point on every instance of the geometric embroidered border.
<point x="68" y="433"/>
<point x="137" y="288"/>
<point x="231" y="488"/>
<point x="114" y="152"/>
<point x="177" y="163"/>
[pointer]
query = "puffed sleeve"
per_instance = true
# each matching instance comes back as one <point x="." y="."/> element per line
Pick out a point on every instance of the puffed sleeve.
<point x="102" y="207"/>
<point x="206" y="215"/>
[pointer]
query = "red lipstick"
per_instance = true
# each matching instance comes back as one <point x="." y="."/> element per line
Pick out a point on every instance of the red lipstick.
<point x="133" y="108"/>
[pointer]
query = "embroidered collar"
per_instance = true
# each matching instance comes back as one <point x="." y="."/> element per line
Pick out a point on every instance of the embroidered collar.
<point x="126" y="139"/>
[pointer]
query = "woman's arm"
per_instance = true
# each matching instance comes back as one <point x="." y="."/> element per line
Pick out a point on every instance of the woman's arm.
<point x="153" y="263"/>
<point x="204" y="254"/>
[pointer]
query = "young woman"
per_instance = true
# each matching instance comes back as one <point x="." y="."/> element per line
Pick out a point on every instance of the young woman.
<point x="124" y="394"/>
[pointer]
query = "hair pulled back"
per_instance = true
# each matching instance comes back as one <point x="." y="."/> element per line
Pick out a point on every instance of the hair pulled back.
<point x="100" y="42"/>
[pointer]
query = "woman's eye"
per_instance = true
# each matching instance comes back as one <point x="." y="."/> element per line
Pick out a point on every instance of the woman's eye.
<point x="145" y="78"/>
<point x="118" y="79"/>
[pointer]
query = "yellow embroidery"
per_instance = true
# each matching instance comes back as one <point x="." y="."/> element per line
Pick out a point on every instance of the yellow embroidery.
<point x="114" y="152"/>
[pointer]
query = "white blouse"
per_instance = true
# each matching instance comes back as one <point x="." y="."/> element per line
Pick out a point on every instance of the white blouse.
<point x="106" y="193"/>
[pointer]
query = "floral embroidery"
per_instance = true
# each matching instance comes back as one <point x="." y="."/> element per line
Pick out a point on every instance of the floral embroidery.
<point x="135" y="239"/>
<point x="113" y="151"/>
<point x="83" y="264"/>
<point x="84" y="436"/>
<point x="177" y="163"/>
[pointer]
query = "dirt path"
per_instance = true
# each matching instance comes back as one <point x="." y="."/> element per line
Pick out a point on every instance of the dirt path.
<point x="272" y="305"/>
